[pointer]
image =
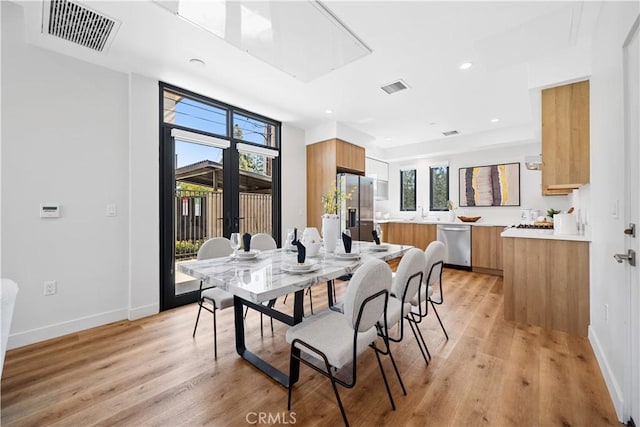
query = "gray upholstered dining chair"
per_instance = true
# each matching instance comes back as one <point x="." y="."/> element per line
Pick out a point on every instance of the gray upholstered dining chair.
<point x="336" y="339"/>
<point x="406" y="284"/>
<point x="434" y="257"/>
<point x="263" y="242"/>
<point x="212" y="298"/>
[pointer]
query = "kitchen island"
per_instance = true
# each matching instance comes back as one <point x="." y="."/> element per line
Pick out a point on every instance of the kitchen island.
<point x="546" y="279"/>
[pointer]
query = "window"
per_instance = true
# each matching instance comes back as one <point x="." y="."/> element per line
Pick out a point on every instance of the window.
<point x="438" y="188"/>
<point x="408" y="190"/>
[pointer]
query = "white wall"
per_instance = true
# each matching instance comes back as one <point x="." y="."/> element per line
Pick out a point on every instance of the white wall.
<point x="294" y="178"/>
<point x="86" y="136"/>
<point x="530" y="184"/>
<point x="607" y="158"/>
<point x="65" y="139"/>
<point x="144" y="222"/>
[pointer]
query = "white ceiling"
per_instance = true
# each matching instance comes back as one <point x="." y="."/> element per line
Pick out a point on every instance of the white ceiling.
<point x="515" y="47"/>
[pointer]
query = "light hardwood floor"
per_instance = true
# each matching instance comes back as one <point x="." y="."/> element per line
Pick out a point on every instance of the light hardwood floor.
<point x="152" y="372"/>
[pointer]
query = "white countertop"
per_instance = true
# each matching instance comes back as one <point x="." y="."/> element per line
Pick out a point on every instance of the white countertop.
<point x="525" y="233"/>
<point x="479" y="223"/>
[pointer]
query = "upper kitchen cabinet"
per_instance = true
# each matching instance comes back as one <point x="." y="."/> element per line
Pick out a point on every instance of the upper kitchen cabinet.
<point x="324" y="160"/>
<point x="565" y="138"/>
<point x="349" y="157"/>
<point x="379" y="171"/>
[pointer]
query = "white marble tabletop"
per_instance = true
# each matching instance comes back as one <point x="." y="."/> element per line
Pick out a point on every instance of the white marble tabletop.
<point x="264" y="278"/>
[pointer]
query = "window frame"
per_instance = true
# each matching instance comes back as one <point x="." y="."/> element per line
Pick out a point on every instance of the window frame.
<point x="431" y="182"/>
<point x="402" y="201"/>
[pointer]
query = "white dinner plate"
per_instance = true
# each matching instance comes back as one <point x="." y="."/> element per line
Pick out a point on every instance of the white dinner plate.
<point x="293" y="265"/>
<point x="352" y="255"/>
<point x="307" y="267"/>
<point x="245" y="255"/>
<point x="381" y="247"/>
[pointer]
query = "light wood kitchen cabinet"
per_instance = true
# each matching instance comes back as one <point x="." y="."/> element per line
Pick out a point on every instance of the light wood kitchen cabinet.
<point x="423" y="235"/>
<point x="324" y="160"/>
<point x="565" y="138"/>
<point x="546" y="283"/>
<point x="407" y="233"/>
<point x="486" y="249"/>
<point x="349" y="157"/>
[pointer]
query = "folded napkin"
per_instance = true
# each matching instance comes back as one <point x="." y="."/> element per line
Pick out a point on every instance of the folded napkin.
<point x="246" y="242"/>
<point x="302" y="251"/>
<point x="295" y="236"/>
<point x="346" y="240"/>
<point x="376" y="239"/>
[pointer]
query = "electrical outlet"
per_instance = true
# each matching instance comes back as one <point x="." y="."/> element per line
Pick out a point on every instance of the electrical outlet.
<point x="50" y="287"/>
<point x="606" y="312"/>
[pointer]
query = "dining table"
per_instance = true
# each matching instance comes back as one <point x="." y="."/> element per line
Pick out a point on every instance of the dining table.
<point x="256" y="279"/>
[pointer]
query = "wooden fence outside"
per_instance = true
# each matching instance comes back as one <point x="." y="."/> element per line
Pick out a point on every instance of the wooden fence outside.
<point x="199" y="217"/>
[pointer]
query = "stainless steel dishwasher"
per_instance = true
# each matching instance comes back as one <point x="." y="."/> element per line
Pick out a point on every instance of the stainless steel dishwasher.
<point x="457" y="241"/>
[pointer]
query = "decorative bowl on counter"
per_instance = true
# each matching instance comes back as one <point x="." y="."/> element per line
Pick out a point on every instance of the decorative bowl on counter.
<point x="469" y="218"/>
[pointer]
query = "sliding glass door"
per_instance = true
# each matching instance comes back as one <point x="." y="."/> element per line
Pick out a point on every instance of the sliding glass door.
<point x="219" y="174"/>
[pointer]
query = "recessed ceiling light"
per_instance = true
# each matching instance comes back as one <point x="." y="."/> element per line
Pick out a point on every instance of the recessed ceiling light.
<point x="387" y="139"/>
<point x="465" y="65"/>
<point x="197" y="62"/>
<point x="328" y="111"/>
<point x="495" y="120"/>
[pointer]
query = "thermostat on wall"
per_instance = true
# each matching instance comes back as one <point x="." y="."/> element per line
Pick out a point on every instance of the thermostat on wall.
<point x="50" y="210"/>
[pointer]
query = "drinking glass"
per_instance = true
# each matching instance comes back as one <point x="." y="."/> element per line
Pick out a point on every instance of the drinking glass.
<point x="288" y="239"/>
<point x="236" y="242"/>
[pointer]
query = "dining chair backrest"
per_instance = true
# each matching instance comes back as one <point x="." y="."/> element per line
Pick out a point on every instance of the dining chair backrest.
<point x="370" y="278"/>
<point x="412" y="263"/>
<point x="263" y="242"/>
<point x="215" y="247"/>
<point x="434" y="256"/>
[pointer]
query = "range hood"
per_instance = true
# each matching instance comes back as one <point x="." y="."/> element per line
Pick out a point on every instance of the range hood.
<point x="533" y="163"/>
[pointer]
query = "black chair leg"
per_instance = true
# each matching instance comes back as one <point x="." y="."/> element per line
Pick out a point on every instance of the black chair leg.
<point x="440" y="321"/>
<point x="261" y="330"/>
<point x="215" y="335"/>
<point x="197" y="318"/>
<point x="420" y="341"/>
<point x="335" y="391"/>
<point x="310" y="299"/>
<point x="395" y="367"/>
<point x="386" y="383"/>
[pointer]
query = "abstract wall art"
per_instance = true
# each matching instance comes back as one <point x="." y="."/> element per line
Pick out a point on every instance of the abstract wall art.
<point x="495" y="185"/>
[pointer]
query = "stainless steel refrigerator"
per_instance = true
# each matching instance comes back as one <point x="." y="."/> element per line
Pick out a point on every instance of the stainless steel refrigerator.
<point x="356" y="215"/>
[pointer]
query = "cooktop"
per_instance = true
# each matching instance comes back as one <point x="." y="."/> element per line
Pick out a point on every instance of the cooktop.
<point x="535" y="226"/>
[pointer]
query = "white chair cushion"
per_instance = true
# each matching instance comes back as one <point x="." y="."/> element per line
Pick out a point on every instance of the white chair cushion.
<point x="414" y="300"/>
<point x="395" y="312"/>
<point x="215" y="247"/>
<point x="330" y="333"/>
<point x="222" y="299"/>
<point x="372" y="277"/>
<point x="434" y="253"/>
<point x="263" y="242"/>
<point x="413" y="262"/>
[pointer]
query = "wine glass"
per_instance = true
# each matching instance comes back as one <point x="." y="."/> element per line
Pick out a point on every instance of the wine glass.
<point x="236" y="242"/>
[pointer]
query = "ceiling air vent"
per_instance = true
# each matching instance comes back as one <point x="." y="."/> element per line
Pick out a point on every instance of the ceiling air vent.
<point x="450" y="132"/>
<point x="394" y="87"/>
<point x="77" y="24"/>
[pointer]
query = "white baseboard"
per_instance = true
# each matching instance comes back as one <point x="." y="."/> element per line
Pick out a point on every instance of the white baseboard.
<point x="21" y="339"/>
<point x="144" y="311"/>
<point x="615" y="391"/>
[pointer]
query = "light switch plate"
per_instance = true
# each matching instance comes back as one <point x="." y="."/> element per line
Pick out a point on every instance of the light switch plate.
<point x="112" y="209"/>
